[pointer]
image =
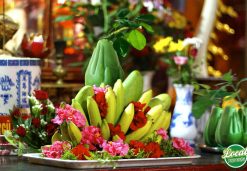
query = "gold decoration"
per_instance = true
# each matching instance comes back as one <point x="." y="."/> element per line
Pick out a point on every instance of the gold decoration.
<point x="213" y="49"/>
<point x="7" y="29"/>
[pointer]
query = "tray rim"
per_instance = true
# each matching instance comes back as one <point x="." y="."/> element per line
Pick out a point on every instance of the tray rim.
<point x="121" y="163"/>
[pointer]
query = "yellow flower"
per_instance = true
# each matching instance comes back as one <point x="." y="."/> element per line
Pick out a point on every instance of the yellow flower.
<point x="173" y="47"/>
<point x="179" y="21"/>
<point x="160" y="45"/>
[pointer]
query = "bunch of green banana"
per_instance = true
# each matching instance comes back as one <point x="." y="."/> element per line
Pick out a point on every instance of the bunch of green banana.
<point x="157" y="118"/>
<point x="68" y="132"/>
<point x="120" y="109"/>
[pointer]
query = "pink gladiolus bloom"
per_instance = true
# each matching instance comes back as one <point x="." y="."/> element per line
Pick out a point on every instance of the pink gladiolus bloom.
<point x="56" y="149"/>
<point x="180" y="60"/>
<point x="181" y="144"/>
<point x="162" y="133"/>
<point x="99" y="89"/>
<point x="91" y="136"/>
<point x="116" y="148"/>
<point x="67" y="113"/>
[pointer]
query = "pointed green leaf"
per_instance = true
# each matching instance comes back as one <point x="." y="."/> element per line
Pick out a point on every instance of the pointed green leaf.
<point x="228" y="77"/>
<point x="147" y="27"/>
<point x="123" y="12"/>
<point x="146" y="18"/>
<point x="121" y="46"/>
<point x="136" y="39"/>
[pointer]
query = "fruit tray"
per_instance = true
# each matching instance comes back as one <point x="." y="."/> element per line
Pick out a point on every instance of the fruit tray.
<point x="93" y="164"/>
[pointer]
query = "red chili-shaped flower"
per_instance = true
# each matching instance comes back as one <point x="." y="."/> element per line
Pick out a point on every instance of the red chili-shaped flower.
<point x="136" y="146"/>
<point x="40" y="95"/>
<point x="80" y="151"/>
<point x="153" y="150"/>
<point x="140" y="118"/>
<point x="116" y="131"/>
<point x="99" y="97"/>
<point x="36" y="122"/>
<point x="21" y="131"/>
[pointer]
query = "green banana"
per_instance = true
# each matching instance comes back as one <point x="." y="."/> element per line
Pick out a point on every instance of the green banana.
<point x="139" y="133"/>
<point x="166" y="100"/>
<point x="82" y="95"/>
<point x="104" y="65"/>
<point x="93" y="112"/>
<point x="105" y="130"/>
<point x="167" y="121"/>
<point x="154" y="102"/>
<point x="64" y="132"/>
<point x="74" y="133"/>
<point x="76" y="105"/>
<point x="56" y="137"/>
<point x="154" y="113"/>
<point x="119" y="92"/>
<point x="127" y="117"/>
<point x="146" y="97"/>
<point x="111" y="105"/>
<point x="155" y="126"/>
<point x="133" y="87"/>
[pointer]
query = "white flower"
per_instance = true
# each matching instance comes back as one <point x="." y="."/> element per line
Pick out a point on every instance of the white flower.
<point x="192" y="41"/>
<point x="149" y="5"/>
<point x="95" y="2"/>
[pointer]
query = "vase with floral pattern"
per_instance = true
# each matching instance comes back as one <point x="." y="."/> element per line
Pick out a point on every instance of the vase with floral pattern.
<point x="183" y="123"/>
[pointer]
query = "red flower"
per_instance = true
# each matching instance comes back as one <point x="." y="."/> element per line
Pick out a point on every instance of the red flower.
<point x="101" y="101"/>
<point x="140" y="118"/>
<point x="80" y="152"/>
<point x="153" y="149"/>
<point x="16" y="113"/>
<point x="50" y="128"/>
<point x="116" y="131"/>
<point x="25" y="117"/>
<point x="21" y="131"/>
<point x="193" y="51"/>
<point x="36" y="122"/>
<point x="40" y="95"/>
<point x="137" y="146"/>
<point x="138" y="106"/>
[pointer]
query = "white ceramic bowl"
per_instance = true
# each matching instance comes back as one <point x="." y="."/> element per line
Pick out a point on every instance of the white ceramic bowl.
<point x="18" y="78"/>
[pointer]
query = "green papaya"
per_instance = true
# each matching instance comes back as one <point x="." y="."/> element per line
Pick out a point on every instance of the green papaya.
<point x="104" y="66"/>
<point x="243" y="118"/>
<point x="133" y="87"/>
<point x="229" y="129"/>
<point x="209" y="131"/>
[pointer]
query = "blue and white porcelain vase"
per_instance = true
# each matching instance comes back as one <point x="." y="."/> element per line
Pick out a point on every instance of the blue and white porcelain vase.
<point x="183" y="124"/>
<point x="18" y="78"/>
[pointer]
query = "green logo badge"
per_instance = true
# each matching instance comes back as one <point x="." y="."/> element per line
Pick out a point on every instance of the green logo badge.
<point x="235" y="156"/>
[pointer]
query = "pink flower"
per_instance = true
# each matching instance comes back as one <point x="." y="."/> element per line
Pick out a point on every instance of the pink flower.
<point x="99" y="89"/>
<point x="181" y="144"/>
<point x="162" y="133"/>
<point x="116" y="148"/>
<point x="180" y="60"/>
<point x="56" y="149"/>
<point x="67" y="113"/>
<point x="91" y="136"/>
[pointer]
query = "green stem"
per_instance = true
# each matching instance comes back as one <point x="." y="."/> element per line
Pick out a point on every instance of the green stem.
<point x="115" y="32"/>
<point x="105" y="13"/>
